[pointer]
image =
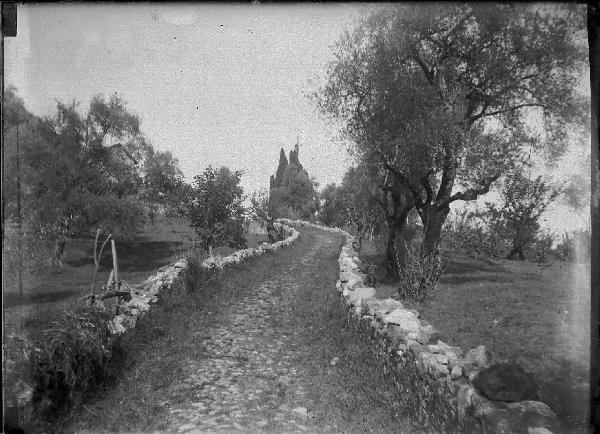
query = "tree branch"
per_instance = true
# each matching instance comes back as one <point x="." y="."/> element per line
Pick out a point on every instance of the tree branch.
<point x="471" y="193"/>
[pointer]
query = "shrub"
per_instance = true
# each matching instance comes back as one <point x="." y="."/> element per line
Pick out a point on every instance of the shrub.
<point x="543" y="245"/>
<point x="67" y="358"/>
<point x="197" y="277"/>
<point x="418" y="275"/>
<point x="370" y="271"/>
<point x="574" y="246"/>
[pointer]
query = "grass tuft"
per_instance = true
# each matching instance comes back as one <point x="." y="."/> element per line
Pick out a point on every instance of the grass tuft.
<point x="68" y="357"/>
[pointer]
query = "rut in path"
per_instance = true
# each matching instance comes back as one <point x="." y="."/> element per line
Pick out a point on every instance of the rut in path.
<point x="280" y="357"/>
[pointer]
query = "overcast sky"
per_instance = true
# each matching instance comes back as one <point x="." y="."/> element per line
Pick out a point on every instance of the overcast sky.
<point x="213" y="84"/>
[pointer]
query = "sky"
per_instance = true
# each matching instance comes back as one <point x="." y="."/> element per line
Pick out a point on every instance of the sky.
<point x="212" y="84"/>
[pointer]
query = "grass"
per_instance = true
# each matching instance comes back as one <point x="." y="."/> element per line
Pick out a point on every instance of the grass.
<point x="354" y="396"/>
<point x="538" y="318"/>
<point x="48" y="291"/>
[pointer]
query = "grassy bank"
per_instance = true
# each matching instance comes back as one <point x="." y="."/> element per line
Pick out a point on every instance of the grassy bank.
<point x="47" y="291"/>
<point x="536" y="317"/>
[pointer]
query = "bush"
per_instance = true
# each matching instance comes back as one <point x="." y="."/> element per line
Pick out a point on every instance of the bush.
<point x="197" y="277"/>
<point x="418" y="275"/>
<point x="543" y="246"/>
<point x="370" y="271"/>
<point x="67" y="358"/>
<point x="574" y="246"/>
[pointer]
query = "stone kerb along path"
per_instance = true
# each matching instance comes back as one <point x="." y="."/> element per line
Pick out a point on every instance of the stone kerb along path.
<point x="441" y="385"/>
<point x="146" y="293"/>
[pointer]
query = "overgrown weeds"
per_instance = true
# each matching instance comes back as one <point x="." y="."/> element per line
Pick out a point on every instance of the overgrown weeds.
<point x="370" y="271"/>
<point x="418" y="275"/>
<point x="66" y="358"/>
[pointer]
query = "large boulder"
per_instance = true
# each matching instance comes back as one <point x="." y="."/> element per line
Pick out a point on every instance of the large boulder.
<point x="407" y="320"/>
<point x="506" y="382"/>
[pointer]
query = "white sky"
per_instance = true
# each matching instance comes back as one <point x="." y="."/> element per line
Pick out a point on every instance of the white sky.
<point x="213" y="84"/>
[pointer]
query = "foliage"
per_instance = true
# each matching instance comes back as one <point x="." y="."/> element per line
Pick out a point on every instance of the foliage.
<point x="523" y="201"/>
<point x="292" y="192"/>
<point x="68" y="357"/>
<point x="331" y="206"/>
<point x="370" y="271"/>
<point x="216" y="211"/>
<point x="73" y="178"/>
<point x="468" y="232"/>
<point x="259" y="202"/>
<point x="418" y="275"/>
<point x="543" y="247"/>
<point x="163" y="182"/>
<point x="439" y="94"/>
<point x="574" y="246"/>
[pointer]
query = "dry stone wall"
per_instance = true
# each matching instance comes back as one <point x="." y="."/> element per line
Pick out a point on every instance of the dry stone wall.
<point x="436" y="381"/>
<point x="146" y="293"/>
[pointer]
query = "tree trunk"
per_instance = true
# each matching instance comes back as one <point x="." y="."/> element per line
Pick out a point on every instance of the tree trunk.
<point x="59" y="248"/>
<point x="390" y="253"/>
<point x="516" y="250"/>
<point x="433" y="221"/>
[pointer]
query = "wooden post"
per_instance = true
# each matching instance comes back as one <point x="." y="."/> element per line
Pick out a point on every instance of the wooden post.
<point x="116" y="281"/>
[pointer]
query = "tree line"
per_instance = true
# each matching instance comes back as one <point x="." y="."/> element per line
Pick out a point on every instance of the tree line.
<point x="441" y="103"/>
<point x="68" y="174"/>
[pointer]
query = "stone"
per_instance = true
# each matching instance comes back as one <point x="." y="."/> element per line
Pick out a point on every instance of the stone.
<point x="427" y="334"/>
<point x="535" y="414"/>
<point x="186" y="427"/>
<point x="356" y="297"/>
<point x="301" y="411"/>
<point x="479" y="357"/>
<point x="506" y="382"/>
<point x="262" y="423"/>
<point x="377" y="307"/>
<point x="538" y="430"/>
<point x="456" y="373"/>
<point x="405" y="319"/>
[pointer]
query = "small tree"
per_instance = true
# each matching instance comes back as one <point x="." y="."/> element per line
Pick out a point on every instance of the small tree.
<point x="216" y="211"/>
<point x="522" y="203"/>
<point x="260" y="205"/>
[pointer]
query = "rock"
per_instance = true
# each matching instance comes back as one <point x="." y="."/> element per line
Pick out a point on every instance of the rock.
<point x="356" y="297"/>
<point x="301" y="411"/>
<point x="538" y="430"/>
<point x="405" y="319"/>
<point x="535" y="415"/>
<point x="186" y="427"/>
<point x="262" y="423"/>
<point x="506" y="382"/>
<point x="478" y="357"/>
<point x="378" y="307"/>
<point x="456" y="373"/>
<point x="427" y="334"/>
<point x="334" y="361"/>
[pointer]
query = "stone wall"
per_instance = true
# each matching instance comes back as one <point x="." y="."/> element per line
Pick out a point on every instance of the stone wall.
<point x="443" y="386"/>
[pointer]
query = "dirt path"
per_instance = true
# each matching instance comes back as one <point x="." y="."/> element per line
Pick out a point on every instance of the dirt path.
<point x="279" y="357"/>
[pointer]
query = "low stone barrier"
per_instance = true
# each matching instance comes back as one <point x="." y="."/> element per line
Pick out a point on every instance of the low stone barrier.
<point x="443" y="386"/>
<point x="146" y="293"/>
